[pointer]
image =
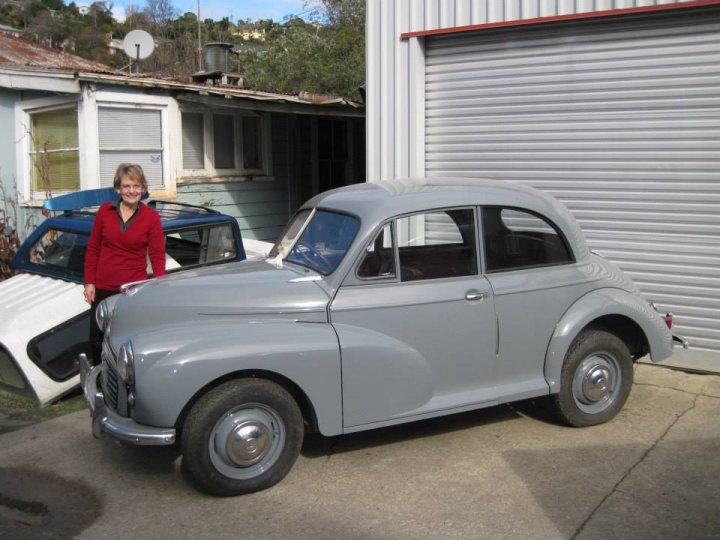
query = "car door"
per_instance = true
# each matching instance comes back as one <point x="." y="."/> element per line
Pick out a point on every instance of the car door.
<point x="535" y="279"/>
<point x="416" y="322"/>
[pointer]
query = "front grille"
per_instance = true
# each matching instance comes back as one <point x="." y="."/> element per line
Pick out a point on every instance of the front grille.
<point x="113" y="389"/>
<point x="110" y="385"/>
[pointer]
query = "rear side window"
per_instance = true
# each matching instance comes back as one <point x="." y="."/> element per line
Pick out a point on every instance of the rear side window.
<point x="199" y="246"/>
<point x="516" y="239"/>
<point x="60" y="250"/>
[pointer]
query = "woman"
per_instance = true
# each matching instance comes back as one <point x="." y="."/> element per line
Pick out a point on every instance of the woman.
<point x="125" y="231"/>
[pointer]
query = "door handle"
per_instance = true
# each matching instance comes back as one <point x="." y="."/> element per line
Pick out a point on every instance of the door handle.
<point x="473" y="296"/>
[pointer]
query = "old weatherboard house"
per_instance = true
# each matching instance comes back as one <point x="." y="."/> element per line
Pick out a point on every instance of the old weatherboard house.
<point x="612" y="106"/>
<point x="254" y="155"/>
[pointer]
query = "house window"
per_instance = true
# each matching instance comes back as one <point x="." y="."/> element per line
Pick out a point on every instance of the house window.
<point x="54" y="150"/>
<point x="236" y="143"/>
<point x="130" y="136"/>
<point x="333" y="156"/>
<point x="193" y="146"/>
<point x="252" y="155"/>
<point x="224" y="137"/>
<point x="68" y="144"/>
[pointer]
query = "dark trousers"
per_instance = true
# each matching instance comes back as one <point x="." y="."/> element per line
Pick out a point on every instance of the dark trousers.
<point x="96" y="335"/>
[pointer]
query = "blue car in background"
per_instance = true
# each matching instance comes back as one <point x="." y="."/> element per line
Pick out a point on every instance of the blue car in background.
<point x="43" y="316"/>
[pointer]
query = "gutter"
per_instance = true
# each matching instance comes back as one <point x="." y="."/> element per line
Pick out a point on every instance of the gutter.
<point x="584" y="15"/>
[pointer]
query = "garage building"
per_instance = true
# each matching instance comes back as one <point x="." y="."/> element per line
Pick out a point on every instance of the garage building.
<point x="613" y="107"/>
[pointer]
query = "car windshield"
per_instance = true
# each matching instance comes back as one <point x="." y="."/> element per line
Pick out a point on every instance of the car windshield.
<point x="317" y="239"/>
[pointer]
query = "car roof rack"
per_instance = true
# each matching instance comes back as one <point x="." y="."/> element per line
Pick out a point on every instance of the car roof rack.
<point x="180" y="208"/>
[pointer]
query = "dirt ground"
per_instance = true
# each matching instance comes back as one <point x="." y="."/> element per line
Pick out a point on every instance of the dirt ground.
<point x="17" y="412"/>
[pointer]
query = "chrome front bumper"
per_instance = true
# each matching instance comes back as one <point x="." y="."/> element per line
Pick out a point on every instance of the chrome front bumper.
<point x="105" y="420"/>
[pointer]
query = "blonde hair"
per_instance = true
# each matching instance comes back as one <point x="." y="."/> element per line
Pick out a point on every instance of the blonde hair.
<point x="130" y="170"/>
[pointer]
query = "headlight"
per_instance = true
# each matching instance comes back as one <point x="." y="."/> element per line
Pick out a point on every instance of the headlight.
<point x="126" y="363"/>
<point x="102" y="315"/>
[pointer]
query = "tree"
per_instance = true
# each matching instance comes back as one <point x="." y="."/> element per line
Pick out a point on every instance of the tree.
<point x="48" y="28"/>
<point x="340" y="13"/>
<point x="100" y="13"/>
<point x="161" y="13"/>
<point x="326" y="55"/>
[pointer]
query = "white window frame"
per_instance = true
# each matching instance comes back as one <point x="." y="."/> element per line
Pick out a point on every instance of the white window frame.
<point x="238" y="172"/>
<point x="88" y="137"/>
<point x="169" y="126"/>
<point x="23" y="122"/>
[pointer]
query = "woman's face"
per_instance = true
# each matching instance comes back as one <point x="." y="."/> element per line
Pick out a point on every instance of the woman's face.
<point x="130" y="190"/>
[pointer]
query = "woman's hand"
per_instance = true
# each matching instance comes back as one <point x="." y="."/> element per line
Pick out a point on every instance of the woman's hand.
<point x="89" y="293"/>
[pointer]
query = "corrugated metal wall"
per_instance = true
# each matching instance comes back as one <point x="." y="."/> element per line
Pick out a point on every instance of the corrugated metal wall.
<point x="395" y="66"/>
<point x="619" y="119"/>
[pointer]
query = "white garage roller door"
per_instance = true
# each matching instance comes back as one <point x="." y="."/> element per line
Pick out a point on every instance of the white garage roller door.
<point x="619" y="118"/>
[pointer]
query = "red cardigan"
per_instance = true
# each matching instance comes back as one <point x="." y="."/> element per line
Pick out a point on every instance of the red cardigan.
<point x="114" y="257"/>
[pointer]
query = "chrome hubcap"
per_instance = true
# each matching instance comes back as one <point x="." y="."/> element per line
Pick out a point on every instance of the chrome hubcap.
<point x="248" y="443"/>
<point x="596" y="382"/>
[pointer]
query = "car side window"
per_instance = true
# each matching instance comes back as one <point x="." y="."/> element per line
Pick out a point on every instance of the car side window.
<point x="517" y="239"/>
<point x="379" y="259"/>
<point x="200" y="245"/>
<point x="60" y="250"/>
<point x="437" y="245"/>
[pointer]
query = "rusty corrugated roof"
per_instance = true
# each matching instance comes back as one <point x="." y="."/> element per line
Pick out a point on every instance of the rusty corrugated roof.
<point x="149" y="81"/>
<point x="19" y="52"/>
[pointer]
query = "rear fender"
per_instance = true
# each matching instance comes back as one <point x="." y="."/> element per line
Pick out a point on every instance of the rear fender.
<point x="598" y="304"/>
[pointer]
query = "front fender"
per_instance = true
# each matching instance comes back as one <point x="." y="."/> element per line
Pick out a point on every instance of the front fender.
<point x="597" y="304"/>
<point x="174" y="364"/>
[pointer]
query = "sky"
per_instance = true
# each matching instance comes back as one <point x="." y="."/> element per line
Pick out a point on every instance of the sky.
<point x="233" y="9"/>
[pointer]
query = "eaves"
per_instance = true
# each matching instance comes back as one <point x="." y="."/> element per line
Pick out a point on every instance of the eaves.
<point x="39" y="79"/>
<point x="243" y="98"/>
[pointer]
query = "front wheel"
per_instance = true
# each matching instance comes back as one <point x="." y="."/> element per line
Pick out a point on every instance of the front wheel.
<point x="596" y="379"/>
<point x="242" y="436"/>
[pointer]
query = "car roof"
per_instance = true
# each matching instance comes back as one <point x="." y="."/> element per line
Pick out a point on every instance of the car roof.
<point x="376" y="202"/>
<point x="172" y="215"/>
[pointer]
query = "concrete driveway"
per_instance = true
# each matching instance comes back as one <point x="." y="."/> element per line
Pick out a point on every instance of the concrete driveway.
<point x="505" y="472"/>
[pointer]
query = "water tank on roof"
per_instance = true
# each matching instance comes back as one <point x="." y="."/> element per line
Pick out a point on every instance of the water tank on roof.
<point x="217" y="57"/>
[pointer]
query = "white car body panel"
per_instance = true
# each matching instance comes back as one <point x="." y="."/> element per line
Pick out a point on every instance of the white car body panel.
<point x="32" y="305"/>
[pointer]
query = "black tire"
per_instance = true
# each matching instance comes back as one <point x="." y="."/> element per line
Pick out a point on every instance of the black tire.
<point x="596" y="378"/>
<point x="262" y="420"/>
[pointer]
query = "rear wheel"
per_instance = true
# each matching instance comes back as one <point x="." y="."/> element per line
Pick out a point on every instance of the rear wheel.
<point x="596" y="379"/>
<point x="242" y="436"/>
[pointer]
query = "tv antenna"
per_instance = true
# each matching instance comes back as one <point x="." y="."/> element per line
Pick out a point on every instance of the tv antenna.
<point x="138" y="45"/>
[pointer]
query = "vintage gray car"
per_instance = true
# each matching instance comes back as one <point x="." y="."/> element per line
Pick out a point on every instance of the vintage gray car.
<point x="380" y="304"/>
